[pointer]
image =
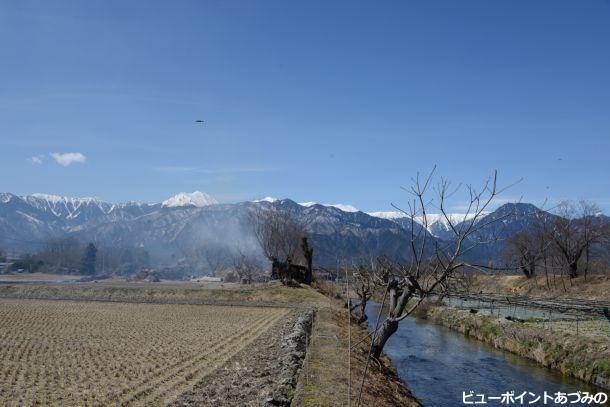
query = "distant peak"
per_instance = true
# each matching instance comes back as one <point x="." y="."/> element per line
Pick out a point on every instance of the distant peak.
<point x="197" y="199"/>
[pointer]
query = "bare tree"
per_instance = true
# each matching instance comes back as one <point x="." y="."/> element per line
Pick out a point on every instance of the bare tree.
<point x="524" y="249"/>
<point x="246" y="267"/>
<point x="365" y="279"/>
<point x="574" y="231"/>
<point x="284" y="241"/>
<point x="433" y="263"/>
<point x="216" y="257"/>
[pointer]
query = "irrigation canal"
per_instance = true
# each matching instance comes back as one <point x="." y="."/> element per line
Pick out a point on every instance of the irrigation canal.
<point x="439" y="364"/>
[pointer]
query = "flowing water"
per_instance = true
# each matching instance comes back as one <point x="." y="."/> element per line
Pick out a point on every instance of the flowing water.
<point x="439" y="364"/>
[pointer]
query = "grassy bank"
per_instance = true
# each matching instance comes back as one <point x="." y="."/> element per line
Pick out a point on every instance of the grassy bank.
<point x="326" y="379"/>
<point x="580" y="357"/>
<point x="594" y="287"/>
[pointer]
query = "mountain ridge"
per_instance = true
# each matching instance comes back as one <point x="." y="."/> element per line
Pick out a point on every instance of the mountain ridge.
<point x="174" y="232"/>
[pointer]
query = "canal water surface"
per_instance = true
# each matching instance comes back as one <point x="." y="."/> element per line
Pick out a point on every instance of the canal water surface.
<point x="439" y="364"/>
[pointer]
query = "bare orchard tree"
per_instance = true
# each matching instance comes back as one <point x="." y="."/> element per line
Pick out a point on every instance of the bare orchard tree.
<point x="365" y="279"/>
<point x="246" y="267"/>
<point x="209" y="258"/>
<point x="284" y="241"/>
<point x="433" y="263"/>
<point x="574" y="232"/>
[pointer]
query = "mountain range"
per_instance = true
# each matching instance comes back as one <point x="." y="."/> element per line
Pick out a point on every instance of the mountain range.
<point x="172" y="229"/>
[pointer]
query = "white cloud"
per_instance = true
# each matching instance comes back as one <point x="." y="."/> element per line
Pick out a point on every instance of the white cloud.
<point x="66" y="159"/>
<point x="37" y="159"/>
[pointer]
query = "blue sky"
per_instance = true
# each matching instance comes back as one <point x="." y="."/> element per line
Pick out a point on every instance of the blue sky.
<point x="335" y="102"/>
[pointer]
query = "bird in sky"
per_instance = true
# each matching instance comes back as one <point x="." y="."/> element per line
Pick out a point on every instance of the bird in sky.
<point x="199" y="121"/>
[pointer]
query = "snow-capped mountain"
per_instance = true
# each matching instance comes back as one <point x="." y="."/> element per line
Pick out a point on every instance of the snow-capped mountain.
<point x="185" y="222"/>
<point x="343" y="207"/>
<point x="197" y="199"/>
<point x="388" y="215"/>
<point x="437" y="224"/>
<point x="171" y="230"/>
<point x="266" y="199"/>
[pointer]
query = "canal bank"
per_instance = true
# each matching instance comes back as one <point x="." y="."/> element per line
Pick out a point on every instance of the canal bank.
<point x="583" y="358"/>
<point x="337" y="370"/>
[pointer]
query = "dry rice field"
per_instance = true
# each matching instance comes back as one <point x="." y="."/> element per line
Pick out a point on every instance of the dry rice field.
<point x="74" y="353"/>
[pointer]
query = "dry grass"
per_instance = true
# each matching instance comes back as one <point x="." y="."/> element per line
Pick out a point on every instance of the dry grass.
<point x="96" y="353"/>
<point x="591" y="328"/>
<point x="37" y="277"/>
<point x="595" y="287"/>
<point x="176" y="292"/>
<point x="325" y="379"/>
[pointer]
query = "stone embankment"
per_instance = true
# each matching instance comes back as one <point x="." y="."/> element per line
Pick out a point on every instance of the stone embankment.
<point x="294" y="347"/>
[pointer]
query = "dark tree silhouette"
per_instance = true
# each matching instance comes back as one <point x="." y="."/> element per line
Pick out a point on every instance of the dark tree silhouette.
<point x="575" y="231"/>
<point x="283" y="240"/>
<point x="89" y="259"/>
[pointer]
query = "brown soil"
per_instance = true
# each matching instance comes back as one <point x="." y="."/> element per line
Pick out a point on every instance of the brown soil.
<point x="248" y="378"/>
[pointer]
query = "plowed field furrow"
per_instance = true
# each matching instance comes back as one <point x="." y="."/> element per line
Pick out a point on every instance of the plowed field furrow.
<point x="69" y="353"/>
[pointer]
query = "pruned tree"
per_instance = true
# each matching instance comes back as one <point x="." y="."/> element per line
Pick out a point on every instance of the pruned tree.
<point x="433" y="264"/>
<point x="284" y="241"/>
<point x="365" y="280"/>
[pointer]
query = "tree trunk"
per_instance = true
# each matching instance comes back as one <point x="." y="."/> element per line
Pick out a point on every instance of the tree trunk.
<point x="363" y="316"/>
<point x="308" y="254"/>
<point x="275" y="269"/>
<point x="387" y="329"/>
<point x="574" y="269"/>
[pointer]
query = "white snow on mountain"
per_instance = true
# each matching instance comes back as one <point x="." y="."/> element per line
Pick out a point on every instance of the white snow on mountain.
<point x="436" y="222"/>
<point x="57" y="199"/>
<point x="440" y="219"/>
<point x="197" y="199"/>
<point x="266" y="199"/>
<point x="388" y="215"/>
<point x="5" y="197"/>
<point x="343" y="207"/>
<point x="64" y="206"/>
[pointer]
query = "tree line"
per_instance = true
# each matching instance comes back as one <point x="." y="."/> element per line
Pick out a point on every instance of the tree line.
<point x="572" y="241"/>
<point x="68" y="255"/>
